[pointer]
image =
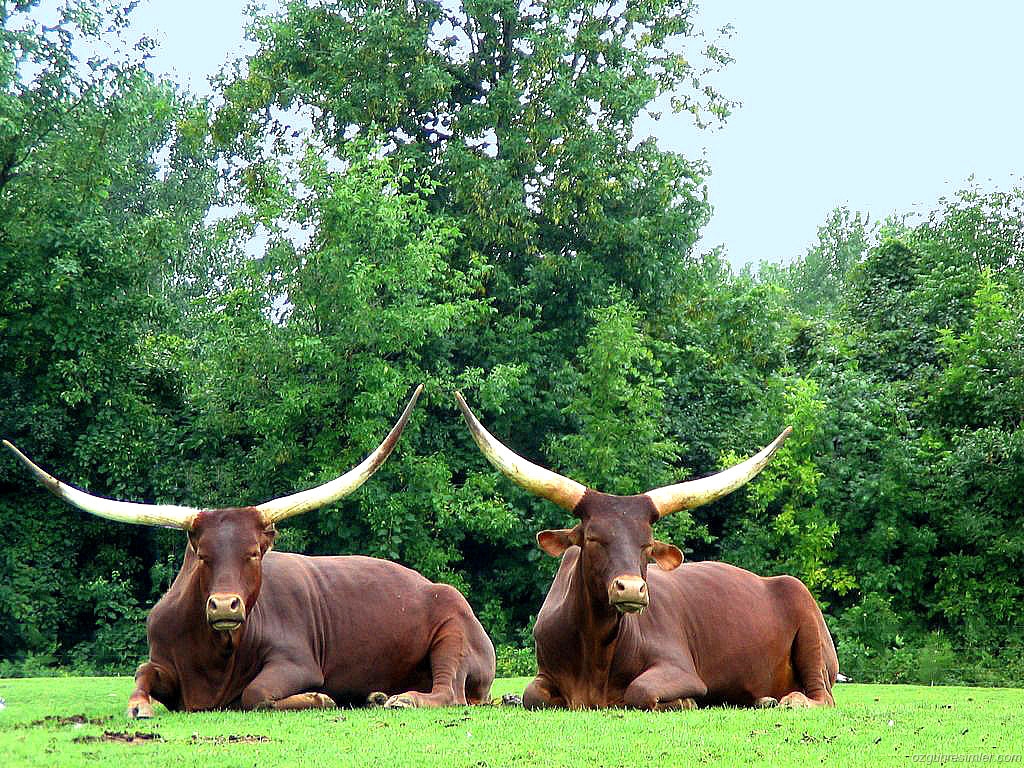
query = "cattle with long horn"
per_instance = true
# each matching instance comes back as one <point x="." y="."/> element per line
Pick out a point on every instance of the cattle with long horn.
<point x="245" y="627"/>
<point x="612" y="633"/>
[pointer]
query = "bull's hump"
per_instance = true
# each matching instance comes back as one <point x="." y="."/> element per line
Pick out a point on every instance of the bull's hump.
<point x="285" y="563"/>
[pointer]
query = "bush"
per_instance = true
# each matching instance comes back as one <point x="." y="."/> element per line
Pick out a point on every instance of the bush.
<point x="516" y="662"/>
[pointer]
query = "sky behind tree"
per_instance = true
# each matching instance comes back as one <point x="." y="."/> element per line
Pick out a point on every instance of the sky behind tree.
<point x="881" y="106"/>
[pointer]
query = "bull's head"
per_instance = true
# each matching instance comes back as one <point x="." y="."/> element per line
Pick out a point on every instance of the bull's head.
<point x="614" y="532"/>
<point x="226" y="546"/>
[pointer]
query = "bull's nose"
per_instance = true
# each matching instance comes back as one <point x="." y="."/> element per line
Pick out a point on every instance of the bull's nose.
<point x="628" y="593"/>
<point x="225" y="611"/>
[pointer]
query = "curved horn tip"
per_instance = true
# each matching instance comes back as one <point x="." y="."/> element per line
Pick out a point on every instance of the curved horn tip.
<point x="414" y="397"/>
<point x="467" y="412"/>
<point x="409" y="406"/>
<point x="783" y="436"/>
<point x="696" y="493"/>
<point x="41" y="475"/>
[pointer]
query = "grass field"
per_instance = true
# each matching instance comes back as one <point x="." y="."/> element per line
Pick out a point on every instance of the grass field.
<point x="80" y="721"/>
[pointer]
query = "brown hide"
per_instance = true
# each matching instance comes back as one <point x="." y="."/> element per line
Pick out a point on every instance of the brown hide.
<point x="711" y="632"/>
<point x="342" y="626"/>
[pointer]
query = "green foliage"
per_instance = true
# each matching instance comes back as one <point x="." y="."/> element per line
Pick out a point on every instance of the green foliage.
<point x="816" y="281"/>
<point x="786" y="529"/>
<point x="522" y="116"/>
<point x="982" y="379"/>
<point x="920" y="374"/>
<point x="516" y="661"/>
<point x="613" y="393"/>
<point x="120" y="621"/>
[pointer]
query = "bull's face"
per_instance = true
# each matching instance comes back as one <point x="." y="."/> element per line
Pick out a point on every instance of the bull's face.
<point x="616" y="544"/>
<point x="227" y="546"/>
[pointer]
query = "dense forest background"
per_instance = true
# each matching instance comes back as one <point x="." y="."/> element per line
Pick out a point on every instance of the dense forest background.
<point x="219" y="302"/>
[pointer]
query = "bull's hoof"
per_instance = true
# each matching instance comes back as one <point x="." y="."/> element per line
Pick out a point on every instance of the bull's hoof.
<point x="795" y="700"/>
<point x="321" y="701"/>
<point x="401" y="701"/>
<point x="377" y="699"/>
<point x="674" y="705"/>
<point x="141" y="710"/>
<point x="766" y="702"/>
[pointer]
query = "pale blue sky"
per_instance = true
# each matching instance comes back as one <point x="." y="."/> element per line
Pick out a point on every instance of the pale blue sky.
<point x="883" y="106"/>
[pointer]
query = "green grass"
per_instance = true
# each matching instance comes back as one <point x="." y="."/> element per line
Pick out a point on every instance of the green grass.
<point x="872" y="725"/>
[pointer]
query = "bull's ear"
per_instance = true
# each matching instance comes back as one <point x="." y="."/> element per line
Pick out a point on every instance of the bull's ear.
<point x="267" y="540"/>
<point x="666" y="556"/>
<point x="556" y="542"/>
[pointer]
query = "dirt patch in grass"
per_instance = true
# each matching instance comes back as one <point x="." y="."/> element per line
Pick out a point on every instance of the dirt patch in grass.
<point x="122" y="737"/>
<point x="69" y="720"/>
<point x="234" y="738"/>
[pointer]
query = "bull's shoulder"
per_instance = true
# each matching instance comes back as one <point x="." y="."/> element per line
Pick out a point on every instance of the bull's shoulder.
<point x="170" y="610"/>
<point x="173" y="625"/>
<point x="555" y="622"/>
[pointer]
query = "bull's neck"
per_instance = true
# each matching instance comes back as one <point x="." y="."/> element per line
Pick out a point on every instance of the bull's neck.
<point x="222" y="645"/>
<point x="603" y="621"/>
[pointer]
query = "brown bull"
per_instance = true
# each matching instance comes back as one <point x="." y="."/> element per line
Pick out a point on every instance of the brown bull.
<point x="613" y="634"/>
<point x="244" y="627"/>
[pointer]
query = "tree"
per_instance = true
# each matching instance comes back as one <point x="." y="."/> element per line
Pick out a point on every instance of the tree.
<point x="523" y="117"/>
<point x="816" y="280"/>
<point x="919" y="366"/>
<point x="90" y="233"/>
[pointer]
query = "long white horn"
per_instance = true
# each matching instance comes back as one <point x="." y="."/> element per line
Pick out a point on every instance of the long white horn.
<point x="541" y="482"/>
<point x="695" y="493"/>
<point x="166" y="515"/>
<point x="288" y="506"/>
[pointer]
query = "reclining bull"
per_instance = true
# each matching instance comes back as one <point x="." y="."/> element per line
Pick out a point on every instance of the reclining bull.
<point x="613" y="634"/>
<point x="245" y="627"/>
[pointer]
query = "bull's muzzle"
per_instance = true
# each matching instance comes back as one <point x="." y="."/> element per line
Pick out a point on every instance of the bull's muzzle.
<point x="225" y="611"/>
<point x="628" y="594"/>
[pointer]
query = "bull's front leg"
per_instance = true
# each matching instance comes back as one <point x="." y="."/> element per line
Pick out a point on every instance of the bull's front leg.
<point x="286" y="686"/>
<point x="663" y="688"/>
<point x="152" y="681"/>
<point x="541" y="693"/>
